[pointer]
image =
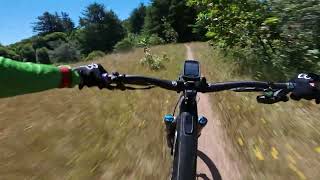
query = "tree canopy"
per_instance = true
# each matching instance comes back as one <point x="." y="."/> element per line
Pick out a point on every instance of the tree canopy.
<point x="101" y="29"/>
<point x="136" y="19"/>
<point x="278" y="36"/>
<point x="49" y="23"/>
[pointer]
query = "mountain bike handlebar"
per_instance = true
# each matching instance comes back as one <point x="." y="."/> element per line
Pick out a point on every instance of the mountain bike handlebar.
<point x="118" y="81"/>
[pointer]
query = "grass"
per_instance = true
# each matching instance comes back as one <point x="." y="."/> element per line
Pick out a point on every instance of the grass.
<point x="280" y="141"/>
<point x="91" y="134"/>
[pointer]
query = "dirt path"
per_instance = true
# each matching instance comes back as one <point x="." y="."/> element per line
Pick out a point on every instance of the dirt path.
<point x="213" y="162"/>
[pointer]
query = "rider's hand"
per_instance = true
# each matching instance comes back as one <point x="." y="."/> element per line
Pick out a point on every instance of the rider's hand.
<point x="91" y="75"/>
<point x="306" y="87"/>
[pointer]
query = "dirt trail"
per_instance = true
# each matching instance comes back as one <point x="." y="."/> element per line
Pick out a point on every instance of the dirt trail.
<point x="213" y="163"/>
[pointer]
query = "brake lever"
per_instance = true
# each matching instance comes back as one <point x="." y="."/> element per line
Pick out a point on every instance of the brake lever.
<point x="271" y="97"/>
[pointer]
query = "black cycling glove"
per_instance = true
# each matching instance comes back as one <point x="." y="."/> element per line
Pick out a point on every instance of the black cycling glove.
<point x="91" y="75"/>
<point x="306" y="87"/>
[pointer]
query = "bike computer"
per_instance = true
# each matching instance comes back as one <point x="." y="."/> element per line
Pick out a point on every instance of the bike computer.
<point x="191" y="70"/>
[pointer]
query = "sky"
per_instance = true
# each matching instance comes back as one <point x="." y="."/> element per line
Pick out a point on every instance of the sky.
<point x="17" y="16"/>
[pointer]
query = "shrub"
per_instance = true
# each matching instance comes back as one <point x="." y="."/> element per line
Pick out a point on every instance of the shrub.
<point x="38" y="42"/>
<point x="149" y="40"/>
<point x="43" y="56"/>
<point x="94" y="55"/>
<point x="152" y="61"/>
<point x="154" y="39"/>
<point x="55" y="36"/>
<point x="27" y="53"/>
<point x="125" y="45"/>
<point x="66" y="52"/>
<point x="8" y="53"/>
<point x="171" y="36"/>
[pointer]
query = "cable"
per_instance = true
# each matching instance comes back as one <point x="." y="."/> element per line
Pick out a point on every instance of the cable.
<point x="175" y="108"/>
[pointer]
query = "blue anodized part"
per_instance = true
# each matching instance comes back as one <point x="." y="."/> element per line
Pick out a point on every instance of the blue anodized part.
<point x="169" y="118"/>
<point x="202" y="120"/>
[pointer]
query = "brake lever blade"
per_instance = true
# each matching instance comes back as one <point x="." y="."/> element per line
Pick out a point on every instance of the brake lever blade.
<point x="271" y="97"/>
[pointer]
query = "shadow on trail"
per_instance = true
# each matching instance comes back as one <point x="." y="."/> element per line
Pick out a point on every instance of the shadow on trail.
<point x="212" y="167"/>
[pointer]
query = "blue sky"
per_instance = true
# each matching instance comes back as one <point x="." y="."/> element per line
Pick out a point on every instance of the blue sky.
<point x="17" y="16"/>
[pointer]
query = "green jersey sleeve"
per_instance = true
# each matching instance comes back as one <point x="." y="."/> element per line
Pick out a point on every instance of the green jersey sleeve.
<point x="17" y="78"/>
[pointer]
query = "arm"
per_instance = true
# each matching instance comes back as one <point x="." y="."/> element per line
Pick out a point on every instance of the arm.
<point x="17" y="78"/>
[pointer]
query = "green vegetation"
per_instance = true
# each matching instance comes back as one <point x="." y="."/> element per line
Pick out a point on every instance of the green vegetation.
<point x="136" y="19"/>
<point x="270" y="39"/>
<point x="100" y="29"/>
<point x="134" y="41"/>
<point x="154" y="62"/>
<point x="6" y="52"/>
<point x="50" y="23"/>
<point x="175" y="12"/>
<point x="42" y="56"/>
<point x="94" y="55"/>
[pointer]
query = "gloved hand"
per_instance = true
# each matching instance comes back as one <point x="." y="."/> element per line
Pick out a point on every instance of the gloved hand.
<point x="91" y="75"/>
<point x="307" y="86"/>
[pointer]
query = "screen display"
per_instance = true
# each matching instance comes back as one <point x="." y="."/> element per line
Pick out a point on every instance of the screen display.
<point x="191" y="69"/>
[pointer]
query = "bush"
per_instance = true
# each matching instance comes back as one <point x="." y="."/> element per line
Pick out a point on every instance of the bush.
<point x="95" y="54"/>
<point x="154" y="39"/>
<point x="125" y="45"/>
<point x="152" y="61"/>
<point x="171" y="36"/>
<point x="149" y="40"/>
<point x="27" y="53"/>
<point x="8" y="53"/>
<point x="38" y="42"/>
<point x="66" y="52"/>
<point x="55" y="36"/>
<point x="43" y="56"/>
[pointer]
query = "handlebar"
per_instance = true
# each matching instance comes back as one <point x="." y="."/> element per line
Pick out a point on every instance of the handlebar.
<point x="118" y="81"/>
<point x="273" y="92"/>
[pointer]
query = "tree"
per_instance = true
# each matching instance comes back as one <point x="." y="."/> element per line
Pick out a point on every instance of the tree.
<point x="171" y="36"/>
<point x="281" y="37"/>
<point x="49" y="23"/>
<point x="67" y="23"/>
<point x="100" y="29"/>
<point x="94" y="14"/>
<point x="27" y="53"/>
<point x="155" y="13"/>
<point x="182" y="18"/>
<point x="136" y="19"/>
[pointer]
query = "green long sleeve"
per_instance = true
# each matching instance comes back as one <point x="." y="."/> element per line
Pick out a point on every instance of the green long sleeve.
<point x="17" y="78"/>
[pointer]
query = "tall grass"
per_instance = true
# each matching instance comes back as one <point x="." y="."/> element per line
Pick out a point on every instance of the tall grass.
<point x="91" y="134"/>
<point x="280" y="141"/>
